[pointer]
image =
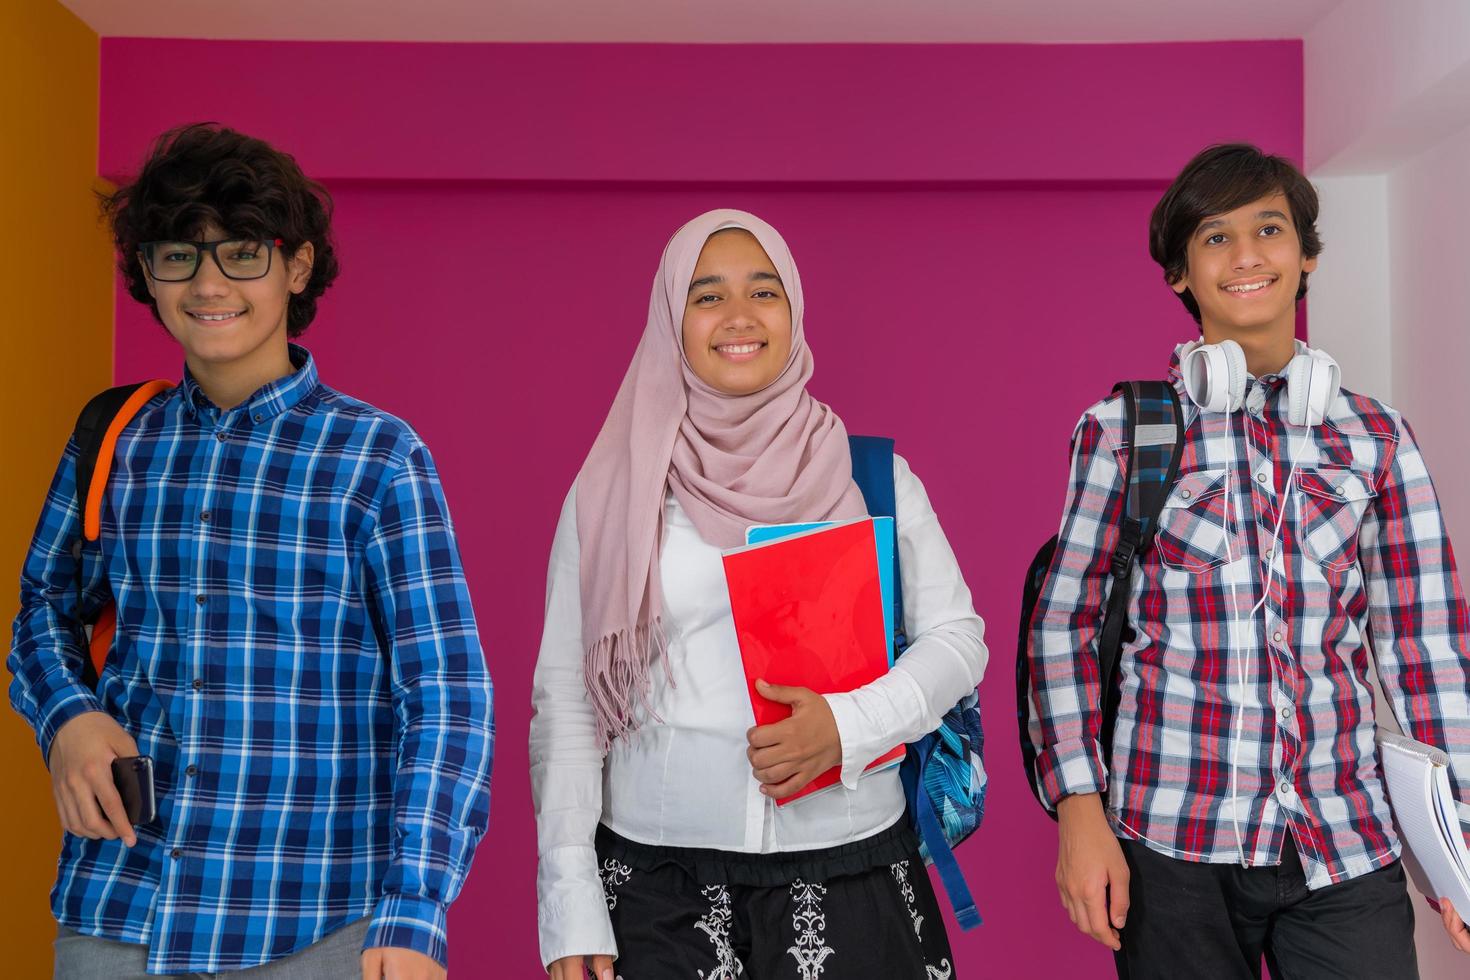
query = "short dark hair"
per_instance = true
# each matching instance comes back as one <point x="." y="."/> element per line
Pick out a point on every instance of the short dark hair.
<point x="1220" y="179"/>
<point x="204" y="174"/>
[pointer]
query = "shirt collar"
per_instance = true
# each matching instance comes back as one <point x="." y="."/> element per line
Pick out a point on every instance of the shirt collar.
<point x="281" y="395"/>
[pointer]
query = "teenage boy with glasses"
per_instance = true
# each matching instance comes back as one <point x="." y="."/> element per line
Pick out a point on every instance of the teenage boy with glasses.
<point x="1243" y="781"/>
<point x="295" y="646"/>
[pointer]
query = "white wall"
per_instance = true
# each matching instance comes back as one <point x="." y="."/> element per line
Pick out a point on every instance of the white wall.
<point x="1429" y="236"/>
<point x="1348" y="295"/>
<point x="1388" y="145"/>
<point x="1384" y="80"/>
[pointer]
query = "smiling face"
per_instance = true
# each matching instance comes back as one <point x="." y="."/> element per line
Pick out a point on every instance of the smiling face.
<point x="1244" y="269"/>
<point x="737" y="318"/>
<point x="222" y="322"/>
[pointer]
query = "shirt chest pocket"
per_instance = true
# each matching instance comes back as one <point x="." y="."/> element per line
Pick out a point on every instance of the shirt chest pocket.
<point x="1197" y="531"/>
<point x="1330" y="505"/>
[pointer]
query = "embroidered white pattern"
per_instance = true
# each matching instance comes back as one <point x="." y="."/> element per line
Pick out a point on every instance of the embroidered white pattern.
<point x="614" y="873"/>
<point x="941" y="972"/>
<point x="906" y="888"/>
<point x="811" y="948"/>
<point x="716" y="925"/>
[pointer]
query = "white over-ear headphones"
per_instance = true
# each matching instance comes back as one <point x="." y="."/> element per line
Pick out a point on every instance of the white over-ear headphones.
<point x="1215" y="376"/>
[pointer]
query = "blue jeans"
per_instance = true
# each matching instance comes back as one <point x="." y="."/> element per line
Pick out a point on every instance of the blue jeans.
<point x="336" y="956"/>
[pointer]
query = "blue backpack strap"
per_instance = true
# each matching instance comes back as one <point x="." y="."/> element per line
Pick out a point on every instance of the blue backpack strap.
<point x="872" y="471"/>
<point x="932" y="833"/>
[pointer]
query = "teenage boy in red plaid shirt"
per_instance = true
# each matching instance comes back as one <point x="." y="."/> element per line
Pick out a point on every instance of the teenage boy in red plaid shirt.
<point x="1245" y="813"/>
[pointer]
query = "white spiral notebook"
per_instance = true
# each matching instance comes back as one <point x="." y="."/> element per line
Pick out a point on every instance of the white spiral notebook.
<point x="1428" y="818"/>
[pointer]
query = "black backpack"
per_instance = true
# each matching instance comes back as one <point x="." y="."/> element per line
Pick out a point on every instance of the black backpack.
<point x="1155" y="428"/>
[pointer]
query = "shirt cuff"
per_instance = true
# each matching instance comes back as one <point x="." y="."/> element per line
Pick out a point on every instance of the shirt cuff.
<point x="868" y="720"/>
<point x="410" y="922"/>
<point x="578" y="926"/>
<point x="1070" y="768"/>
<point x="67" y="702"/>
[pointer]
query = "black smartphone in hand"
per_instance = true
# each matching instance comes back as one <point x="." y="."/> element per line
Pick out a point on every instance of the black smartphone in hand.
<point x="133" y="776"/>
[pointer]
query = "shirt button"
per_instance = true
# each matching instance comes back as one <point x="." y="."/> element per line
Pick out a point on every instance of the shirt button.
<point x="1270" y="553"/>
<point x="1185" y="494"/>
<point x="176" y="853"/>
<point x="192" y="771"/>
<point x="199" y="600"/>
<point x="1285" y="712"/>
<point x="1285" y="789"/>
<point x="1277" y="636"/>
<point x="260" y="418"/>
<point x="221" y="435"/>
<point x="1260" y="478"/>
<point x="204" y="516"/>
<point x="198" y="683"/>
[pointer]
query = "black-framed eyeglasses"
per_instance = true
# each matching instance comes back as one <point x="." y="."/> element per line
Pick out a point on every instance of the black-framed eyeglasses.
<point x="236" y="258"/>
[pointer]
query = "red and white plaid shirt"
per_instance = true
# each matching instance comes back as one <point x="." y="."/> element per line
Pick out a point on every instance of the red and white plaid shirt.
<point x="1363" y="562"/>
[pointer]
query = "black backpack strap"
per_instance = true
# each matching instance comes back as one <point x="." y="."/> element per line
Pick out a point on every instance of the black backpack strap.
<point x="1036" y="575"/>
<point x="90" y="429"/>
<point x="88" y="435"/>
<point x="1155" y="423"/>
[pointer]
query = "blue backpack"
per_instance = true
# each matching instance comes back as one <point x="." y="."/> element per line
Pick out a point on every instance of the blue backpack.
<point x="943" y="773"/>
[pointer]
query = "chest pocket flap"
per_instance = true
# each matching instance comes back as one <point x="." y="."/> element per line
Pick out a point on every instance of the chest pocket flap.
<point x="1191" y="488"/>
<point x="1336" y="484"/>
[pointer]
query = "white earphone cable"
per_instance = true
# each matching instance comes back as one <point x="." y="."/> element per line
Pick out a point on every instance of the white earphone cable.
<point x="1230" y="645"/>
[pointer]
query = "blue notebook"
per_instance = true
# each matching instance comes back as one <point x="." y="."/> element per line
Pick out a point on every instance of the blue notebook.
<point x="884" y="538"/>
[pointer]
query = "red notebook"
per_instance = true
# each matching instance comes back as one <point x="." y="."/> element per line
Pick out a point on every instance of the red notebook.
<point x="809" y="613"/>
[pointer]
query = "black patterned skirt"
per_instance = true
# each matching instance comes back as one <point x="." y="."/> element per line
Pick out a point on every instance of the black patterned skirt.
<point x="858" y="911"/>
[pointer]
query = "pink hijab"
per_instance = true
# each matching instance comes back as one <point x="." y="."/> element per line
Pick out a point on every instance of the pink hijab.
<point x="771" y="457"/>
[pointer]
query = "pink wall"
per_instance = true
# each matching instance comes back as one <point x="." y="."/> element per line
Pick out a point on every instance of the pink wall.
<point x="970" y="224"/>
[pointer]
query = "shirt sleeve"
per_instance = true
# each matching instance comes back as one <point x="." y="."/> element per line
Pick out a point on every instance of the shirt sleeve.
<point x="566" y="768"/>
<point x="1066" y="689"/>
<point x="946" y="656"/>
<point x="46" y="652"/>
<point x="1417" y="615"/>
<point x="442" y="698"/>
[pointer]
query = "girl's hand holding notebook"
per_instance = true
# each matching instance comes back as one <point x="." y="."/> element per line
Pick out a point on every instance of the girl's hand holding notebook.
<point x="787" y="755"/>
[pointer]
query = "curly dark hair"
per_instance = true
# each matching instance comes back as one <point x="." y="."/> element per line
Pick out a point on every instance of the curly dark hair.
<point x="204" y="174"/>
<point x="1220" y="179"/>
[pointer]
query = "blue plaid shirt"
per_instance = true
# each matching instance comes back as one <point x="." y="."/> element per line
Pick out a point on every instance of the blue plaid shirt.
<point x="296" y="651"/>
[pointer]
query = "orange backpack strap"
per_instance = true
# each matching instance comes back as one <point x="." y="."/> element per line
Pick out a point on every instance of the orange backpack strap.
<point x="95" y="435"/>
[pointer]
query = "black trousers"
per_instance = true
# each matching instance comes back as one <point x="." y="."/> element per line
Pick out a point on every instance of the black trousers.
<point x="882" y="923"/>
<point x="1209" y="921"/>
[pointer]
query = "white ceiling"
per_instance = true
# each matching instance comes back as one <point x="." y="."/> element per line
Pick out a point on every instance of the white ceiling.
<point x="755" y="21"/>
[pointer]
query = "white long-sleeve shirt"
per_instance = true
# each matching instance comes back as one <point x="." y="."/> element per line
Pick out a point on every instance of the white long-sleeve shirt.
<point x="683" y="778"/>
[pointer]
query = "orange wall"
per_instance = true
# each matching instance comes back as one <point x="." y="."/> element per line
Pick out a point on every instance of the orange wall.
<point x="56" y="286"/>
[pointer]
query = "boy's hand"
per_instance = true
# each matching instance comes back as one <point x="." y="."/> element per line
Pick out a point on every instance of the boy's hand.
<point x="1092" y="874"/>
<point x="81" y="757"/>
<point x="392" y="963"/>
<point x="787" y="755"/>
<point x="1459" y="935"/>
<point x="577" y="968"/>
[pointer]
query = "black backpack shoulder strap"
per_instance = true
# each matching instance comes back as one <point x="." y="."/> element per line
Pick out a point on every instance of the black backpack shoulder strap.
<point x="91" y="429"/>
<point x="89" y="434"/>
<point x="1155" y="432"/>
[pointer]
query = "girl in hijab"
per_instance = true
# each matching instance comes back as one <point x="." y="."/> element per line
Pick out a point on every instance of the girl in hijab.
<point x="662" y="853"/>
